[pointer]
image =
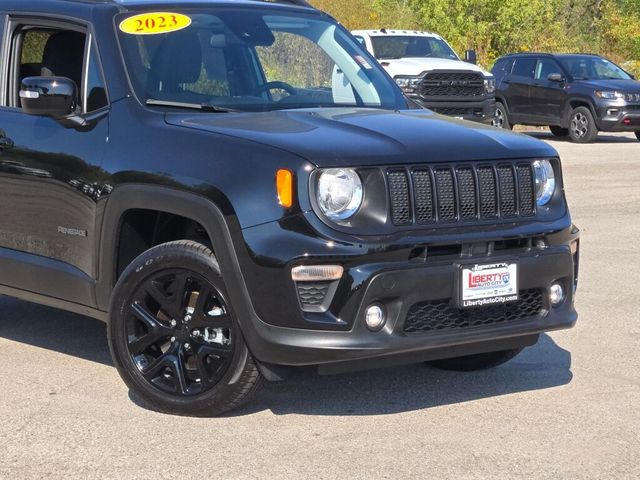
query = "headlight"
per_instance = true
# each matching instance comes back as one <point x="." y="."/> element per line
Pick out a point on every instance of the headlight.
<point x="490" y="85"/>
<point x="339" y="193"/>
<point x="408" y="84"/>
<point x="545" y="181"/>
<point x="610" y="95"/>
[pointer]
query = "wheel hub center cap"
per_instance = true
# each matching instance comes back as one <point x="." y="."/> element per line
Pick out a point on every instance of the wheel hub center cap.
<point x="182" y="333"/>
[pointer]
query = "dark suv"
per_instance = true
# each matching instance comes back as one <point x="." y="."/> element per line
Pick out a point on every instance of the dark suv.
<point x="195" y="175"/>
<point x="575" y="95"/>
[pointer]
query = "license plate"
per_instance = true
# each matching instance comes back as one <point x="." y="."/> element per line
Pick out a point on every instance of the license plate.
<point x="489" y="284"/>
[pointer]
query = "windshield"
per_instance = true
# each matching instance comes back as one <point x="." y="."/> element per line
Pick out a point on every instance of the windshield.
<point x="593" y="68"/>
<point x="404" y="46"/>
<point x="250" y="60"/>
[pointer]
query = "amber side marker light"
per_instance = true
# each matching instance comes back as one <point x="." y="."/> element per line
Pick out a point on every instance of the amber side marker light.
<point x="284" y="184"/>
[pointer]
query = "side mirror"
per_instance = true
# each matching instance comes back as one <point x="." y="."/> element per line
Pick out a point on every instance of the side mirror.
<point x="471" y="57"/>
<point x="555" y="77"/>
<point x="55" y="97"/>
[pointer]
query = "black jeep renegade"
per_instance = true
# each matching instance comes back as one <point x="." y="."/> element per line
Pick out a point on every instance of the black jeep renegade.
<point x="237" y="188"/>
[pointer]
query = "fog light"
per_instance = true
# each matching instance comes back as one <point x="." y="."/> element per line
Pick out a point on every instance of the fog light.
<point x="375" y="318"/>
<point x="556" y="294"/>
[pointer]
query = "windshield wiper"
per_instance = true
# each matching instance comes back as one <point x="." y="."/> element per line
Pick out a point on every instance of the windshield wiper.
<point x="204" y="107"/>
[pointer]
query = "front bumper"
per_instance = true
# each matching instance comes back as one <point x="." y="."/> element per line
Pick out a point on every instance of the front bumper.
<point x="338" y="339"/>
<point x="471" y="109"/>
<point x="613" y="117"/>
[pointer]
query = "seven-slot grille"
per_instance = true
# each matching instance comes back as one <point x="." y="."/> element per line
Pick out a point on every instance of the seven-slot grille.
<point x="452" y="84"/>
<point x="426" y="195"/>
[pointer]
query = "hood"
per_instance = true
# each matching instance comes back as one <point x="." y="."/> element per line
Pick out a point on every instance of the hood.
<point x="340" y="137"/>
<point x="418" y="65"/>
<point x="620" y="85"/>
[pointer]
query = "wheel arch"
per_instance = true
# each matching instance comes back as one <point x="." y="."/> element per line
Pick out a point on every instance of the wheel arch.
<point x="575" y="102"/>
<point x="503" y="100"/>
<point x="162" y="200"/>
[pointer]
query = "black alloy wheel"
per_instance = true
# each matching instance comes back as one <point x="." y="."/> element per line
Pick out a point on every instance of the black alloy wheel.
<point x="173" y="334"/>
<point x="179" y="332"/>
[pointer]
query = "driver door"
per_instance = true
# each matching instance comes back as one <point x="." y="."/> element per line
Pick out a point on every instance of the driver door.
<point x="547" y="97"/>
<point x="50" y="175"/>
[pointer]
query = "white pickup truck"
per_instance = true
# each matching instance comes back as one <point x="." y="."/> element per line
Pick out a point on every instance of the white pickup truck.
<point x="430" y="72"/>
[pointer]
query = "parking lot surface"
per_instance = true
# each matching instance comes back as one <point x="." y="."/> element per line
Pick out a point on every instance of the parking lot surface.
<point x="568" y="407"/>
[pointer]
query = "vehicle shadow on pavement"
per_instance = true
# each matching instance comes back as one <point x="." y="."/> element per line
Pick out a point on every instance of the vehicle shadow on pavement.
<point x="601" y="138"/>
<point x="413" y="387"/>
<point x="55" y="330"/>
<point x="376" y="392"/>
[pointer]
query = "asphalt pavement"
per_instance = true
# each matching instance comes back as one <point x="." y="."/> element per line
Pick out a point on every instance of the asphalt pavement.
<point x="567" y="408"/>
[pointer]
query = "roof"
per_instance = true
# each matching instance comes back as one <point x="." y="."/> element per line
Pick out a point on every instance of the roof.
<point x="545" y="54"/>
<point x="396" y="33"/>
<point x="301" y="3"/>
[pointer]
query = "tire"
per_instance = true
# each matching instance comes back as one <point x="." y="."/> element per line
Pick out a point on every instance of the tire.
<point x="638" y="134"/>
<point x="174" y="337"/>
<point x="559" y="131"/>
<point x="501" y="118"/>
<point x="471" y="363"/>
<point x="582" y="126"/>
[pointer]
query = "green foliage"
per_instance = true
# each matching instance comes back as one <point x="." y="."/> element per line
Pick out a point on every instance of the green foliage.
<point x="496" y="27"/>
<point x="33" y="47"/>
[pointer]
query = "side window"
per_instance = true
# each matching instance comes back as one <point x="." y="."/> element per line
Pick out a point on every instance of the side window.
<point x="546" y="67"/>
<point x="53" y="52"/>
<point x="95" y="93"/>
<point x="48" y="52"/>
<point x="524" y="67"/>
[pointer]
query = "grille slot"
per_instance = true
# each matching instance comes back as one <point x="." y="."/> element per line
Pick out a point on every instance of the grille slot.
<point x="467" y="192"/>
<point x="423" y="193"/>
<point x="487" y="180"/>
<point x="525" y="189"/>
<point x="399" y="197"/>
<point x="507" y="191"/>
<point x="440" y="315"/>
<point x="463" y="193"/>
<point x="446" y="195"/>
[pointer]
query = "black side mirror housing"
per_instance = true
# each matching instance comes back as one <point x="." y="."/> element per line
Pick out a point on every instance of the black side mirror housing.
<point x="556" y="77"/>
<point x="471" y="57"/>
<point x="55" y="97"/>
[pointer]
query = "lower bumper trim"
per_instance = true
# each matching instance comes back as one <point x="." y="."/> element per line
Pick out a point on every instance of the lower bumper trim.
<point x="427" y="355"/>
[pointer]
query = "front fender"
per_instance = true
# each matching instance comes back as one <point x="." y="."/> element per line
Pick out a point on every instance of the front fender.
<point x="218" y="220"/>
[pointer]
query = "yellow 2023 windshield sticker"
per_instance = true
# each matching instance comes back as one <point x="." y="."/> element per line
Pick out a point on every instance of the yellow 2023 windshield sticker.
<point x="155" y="23"/>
